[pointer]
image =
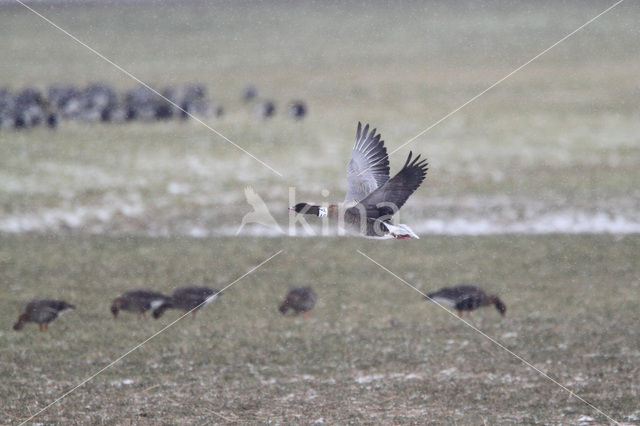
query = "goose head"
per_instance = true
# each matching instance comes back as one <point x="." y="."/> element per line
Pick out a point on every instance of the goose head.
<point x="500" y="306"/>
<point x="298" y="208"/>
<point x="305" y="208"/>
<point x="116" y="305"/>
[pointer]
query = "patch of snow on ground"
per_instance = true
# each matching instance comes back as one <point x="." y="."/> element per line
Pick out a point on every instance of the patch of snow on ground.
<point x="198" y="232"/>
<point x="571" y="222"/>
<point x="74" y="217"/>
<point x="444" y="216"/>
<point x="177" y="188"/>
<point x="369" y="379"/>
<point x="120" y="383"/>
<point x="412" y="376"/>
<point x="448" y="371"/>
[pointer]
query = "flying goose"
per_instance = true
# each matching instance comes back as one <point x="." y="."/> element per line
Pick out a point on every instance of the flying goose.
<point x="42" y="312"/>
<point x="372" y="198"/>
<point x="190" y="298"/>
<point x="466" y="297"/>
<point x="137" y="301"/>
<point x="300" y="299"/>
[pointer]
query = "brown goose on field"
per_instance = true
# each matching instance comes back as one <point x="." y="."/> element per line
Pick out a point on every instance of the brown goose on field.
<point x="300" y="299"/>
<point x="372" y="198"/>
<point x="190" y="298"/>
<point x="42" y="312"/>
<point x="466" y="297"/>
<point x="137" y="301"/>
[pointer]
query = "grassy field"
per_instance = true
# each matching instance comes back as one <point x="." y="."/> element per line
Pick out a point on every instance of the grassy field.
<point x="371" y="351"/>
<point x="88" y="211"/>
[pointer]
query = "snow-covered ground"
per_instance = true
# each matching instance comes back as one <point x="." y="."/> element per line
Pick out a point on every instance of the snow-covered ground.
<point x="117" y="214"/>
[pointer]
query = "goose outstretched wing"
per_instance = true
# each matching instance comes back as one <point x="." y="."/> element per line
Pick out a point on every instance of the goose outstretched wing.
<point x="368" y="168"/>
<point x="391" y="196"/>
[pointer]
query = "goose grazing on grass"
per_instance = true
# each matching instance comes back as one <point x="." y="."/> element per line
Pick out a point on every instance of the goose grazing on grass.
<point x="372" y="198"/>
<point x="466" y="297"/>
<point x="300" y="299"/>
<point x="189" y="298"/>
<point x="42" y="312"/>
<point x="138" y="301"/>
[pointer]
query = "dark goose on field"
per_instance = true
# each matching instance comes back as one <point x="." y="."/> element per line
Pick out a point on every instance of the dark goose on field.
<point x="300" y="300"/>
<point x="189" y="298"/>
<point x="466" y="297"/>
<point x="138" y="302"/>
<point x="42" y="312"/>
<point x="297" y="110"/>
<point x="372" y="198"/>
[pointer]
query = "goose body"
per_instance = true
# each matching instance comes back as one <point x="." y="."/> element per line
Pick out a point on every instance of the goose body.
<point x="42" y="312"/>
<point x="372" y="197"/>
<point x="466" y="297"/>
<point x="189" y="298"/>
<point x="137" y="301"/>
<point x="300" y="300"/>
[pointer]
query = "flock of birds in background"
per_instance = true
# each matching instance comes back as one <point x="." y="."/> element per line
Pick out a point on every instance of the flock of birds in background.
<point x="301" y="300"/>
<point x="100" y="102"/>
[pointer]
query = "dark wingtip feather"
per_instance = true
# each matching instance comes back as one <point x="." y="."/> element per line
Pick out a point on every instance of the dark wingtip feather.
<point x="406" y="163"/>
<point x="421" y="164"/>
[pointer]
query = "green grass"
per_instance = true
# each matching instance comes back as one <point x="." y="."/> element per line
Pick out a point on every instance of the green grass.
<point x="372" y="350"/>
<point x="561" y="134"/>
